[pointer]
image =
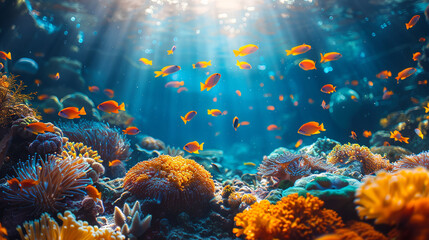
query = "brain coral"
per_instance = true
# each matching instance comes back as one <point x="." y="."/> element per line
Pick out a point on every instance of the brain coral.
<point x="347" y="153"/>
<point x="292" y="217"/>
<point x="412" y="161"/>
<point x="46" y="143"/>
<point x="180" y="184"/>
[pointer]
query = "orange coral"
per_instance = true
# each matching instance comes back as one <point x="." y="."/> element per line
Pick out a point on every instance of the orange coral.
<point x="370" y="162"/>
<point x="249" y="199"/>
<point x="292" y="217"/>
<point x="179" y="183"/>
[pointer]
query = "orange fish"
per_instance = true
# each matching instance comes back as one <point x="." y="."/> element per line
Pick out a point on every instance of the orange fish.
<point x="131" y="131"/>
<point x="114" y="163"/>
<point x="414" y="100"/>
<point x="214" y="112"/>
<point x="129" y="121"/>
<point x="311" y="128"/>
<point x="310" y="101"/>
<point x="235" y="123"/>
<point x="332" y="56"/>
<point x="244" y="123"/>
<point x="167" y="70"/>
<point x="324" y="105"/>
<point x="43" y="97"/>
<point x="307" y="64"/>
<point x="423" y="82"/>
<point x="386" y="94"/>
<point x="295" y="103"/>
<point x="54" y="76"/>
<point x="298" y="50"/>
<point x="416" y="56"/>
<point x="354" y="98"/>
<point x="238" y="93"/>
<point x="39" y="127"/>
<point x="182" y="89"/>
<point x="245" y="50"/>
<point x="353" y="135"/>
<point x="398" y="137"/>
<point x="174" y="84"/>
<point x="72" y="112"/>
<point x="405" y="73"/>
<point x="281" y="97"/>
<point x="193" y="147"/>
<point x="422" y="39"/>
<point x="172" y="50"/>
<point x="109" y="92"/>
<point x="49" y="110"/>
<point x="272" y="127"/>
<point x="146" y="61"/>
<point x="426" y="108"/>
<point x="328" y="88"/>
<point x="278" y="137"/>
<point x="412" y="22"/>
<point x="355" y="82"/>
<point x="298" y="143"/>
<point x="4" y="55"/>
<point x="271" y="108"/>
<point x="93" y="88"/>
<point x="28" y="183"/>
<point x="36" y="81"/>
<point x="370" y="84"/>
<point x="418" y="132"/>
<point x="243" y="65"/>
<point x="188" y="117"/>
<point x="14" y="184"/>
<point x="111" y="106"/>
<point x="93" y="192"/>
<point x="367" y="134"/>
<point x="386" y="143"/>
<point x="215" y="99"/>
<point x="210" y="82"/>
<point x="202" y="64"/>
<point x="384" y="74"/>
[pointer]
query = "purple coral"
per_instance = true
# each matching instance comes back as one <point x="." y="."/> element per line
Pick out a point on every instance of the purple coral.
<point x="46" y="143"/>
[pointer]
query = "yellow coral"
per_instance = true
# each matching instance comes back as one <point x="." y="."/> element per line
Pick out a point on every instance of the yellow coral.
<point x="249" y="199"/>
<point x="74" y="150"/>
<point x="346" y="153"/>
<point x="384" y="197"/>
<point x="292" y="217"/>
<point x="48" y="229"/>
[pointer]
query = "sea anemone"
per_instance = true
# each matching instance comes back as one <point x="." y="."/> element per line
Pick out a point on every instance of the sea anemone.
<point x="46" y="143"/>
<point x="131" y="221"/>
<point x="347" y="153"/>
<point x="59" y="182"/>
<point x="412" y="161"/>
<point x="292" y="217"/>
<point x="48" y="229"/>
<point x="179" y="184"/>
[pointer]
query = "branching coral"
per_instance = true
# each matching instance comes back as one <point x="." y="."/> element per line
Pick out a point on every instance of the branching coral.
<point x="47" y="228"/>
<point x="130" y="220"/>
<point x="59" y="181"/>
<point x="347" y="153"/>
<point x="292" y="217"/>
<point x="412" y="161"/>
<point x="180" y="184"/>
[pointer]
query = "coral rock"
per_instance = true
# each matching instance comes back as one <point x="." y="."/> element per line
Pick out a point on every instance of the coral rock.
<point x="46" y="143"/>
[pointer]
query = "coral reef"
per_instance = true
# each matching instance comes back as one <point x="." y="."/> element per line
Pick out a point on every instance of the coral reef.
<point x="355" y="231"/>
<point x="371" y="163"/>
<point x="91" y="208"/>
<point x="48" y="229"/>
<point x="179" y="184"/>
<point x="393" y="153"/>
<point x="121" y="119"/>
<point x="412" y="161"/>
<point x="46" y="143"/>
<point x="131" y="222"/>
<point x="320" y="148"/>
<point x="150" y="143"/>
<point x="293" y="217"/>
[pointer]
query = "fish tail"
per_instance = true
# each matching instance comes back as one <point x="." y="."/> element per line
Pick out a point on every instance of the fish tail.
<point x="50" y="129"/>
<point x="82" y="111"/>
<point x="407" y="26"/>
<point x="322" y="59"/>
<point x="158" y="73"/>
<point x="122" y="107"/>
<point x="203" y="86"/>
<point x="193" y="65"/>
<point x="184" y="120"/>
<point x="209" y="63"/>
<point x="201" y="146"/>
<point x="238" y="63"/>
<point x="288" y="52"/>
<point x="322" y="128"/>
<point x="236" y="52"/>
<point x="182" y="83"/>
<point x="405" y="139"/>
<point x="169" y="52"/>
<point x="9" y="56"/>
<point x="150" y="62"/>
<point x="110" y="163"/>
<point x="209" y="112"/>
<point x="125" y="132"/>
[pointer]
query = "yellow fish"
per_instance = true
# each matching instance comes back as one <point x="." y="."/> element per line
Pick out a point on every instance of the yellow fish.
<point x="243" y="65"/>
<point x="146" y="61"/>
<point x="193" y="147"/>
<point x="210" y="82"/>
<point x="167" y="70"/>
<point x="188" y="117"/>
<point x="298" y="50"/>
<point x="214" y="112"/>
<point x="245" y="50"/>
<point x="249" y="164"/>
<point x="202" y="64"/>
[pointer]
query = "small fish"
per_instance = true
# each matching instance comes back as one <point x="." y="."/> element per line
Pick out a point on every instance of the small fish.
<point x="271" y="108"/>
<point x="36" y="81"/>
<point x="367" y="134"/>
<point x="28" y="183"/>
<point x="43" y="97"/>
<point x="214" y="112"/>
<point x="210" y="82"/>
<point x="129" y="121"/>
<point x="245" y="50"/>
<point x="39" y="127"/>
<point x="418" y="132"/>
<point x="298" y="50"/>
<point x="111" y="107"/>
<point x="72" y="112"/>
<point x="417" y="56"/>
<point x="249" y="164"/>
<point x="115" y="163"/>
<point x="355" y="82"/>
<point x="332" y="56"/>
<point x="354" y="98"/>
<point x="386" y="94"/>
<point x="353" y="135"/>
<point x="278" y="137"/>
<point x="281" y="97"/>
<point x="298" y="143"/>
<point x="131" y="131"/>
<point x="93" y="88"/>
<point x="188" y="117"/>
<point x="238" y="92"/>
<point x="412" y="21"/>
<point x="405" y="73"/>
<point x="216" y="167"/>
<point x="146" y="61"/>
<point x="384" y="74"/>
<point x="324" y="105"/>
<point x="93" y="192"/>
<point x="54" y="76"/>
<point x="398" y="137"/>
<point x="272" y="127"/>
<point x="193" y="147"/>
<point x="386" y="143"/>
<point x="167" y="70"/>
<point x="311" y="128"/>
<point x="202" y="64"/>
<point x="14" y="184"/>
<point x="235" y="123"/>
<point x="174" y="84"/>
<point x="244" y="123"/>
<point x="49" y="110"/>
<point x="182" y="89"/>
<point x="109" y="92"/>
<point x="370" y="84"/>
<point x="328" y="88"/>
<point x="426" y="108"/>
<point x="4" y="55"/>
<point x="243" y="65"/>
<point x="215" y="99"/>
<point x="307" y="64"/>
<point x="414" y="100"/>
<point x="423" y="82"/>
<point x="422" y="39"/>
<point x="172" y="50"/>
<point x="310" y="101"/>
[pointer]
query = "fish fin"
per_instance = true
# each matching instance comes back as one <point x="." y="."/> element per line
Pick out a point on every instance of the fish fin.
<point x="150" y="62"/>
<point x="209" y="63"/>
<point x="208" y="89"/>
<point x="209" y="112"/>
<point x="9" y="56"/>
<point x="115" y="111"/>
<point x="184" y="120"/>
<point x="82" y="111"/>
<point x="158" y="73"/>
<point x="74" y="117"/>
<point x="165" y="74"/>
<point x="125" y="132"/>
<point x="50" y="129"/>
<point x="321" y="127"/>
<point x="193" y="65"/>
<point x="238" y="64"/>
<point x="288" y="52"/>
<point x="196" y="152"/>
<point x="169" y="52"/>
<point x="407" y="26"/>
<point x="322" y="59"/>
<point x="182" y="83"/>
<point x="201" y="146"/>
<point x="405" y="139"/>
<point x="203" y="86"/>
<point x="236" y="52"/>
<point x="122" y="107"/>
